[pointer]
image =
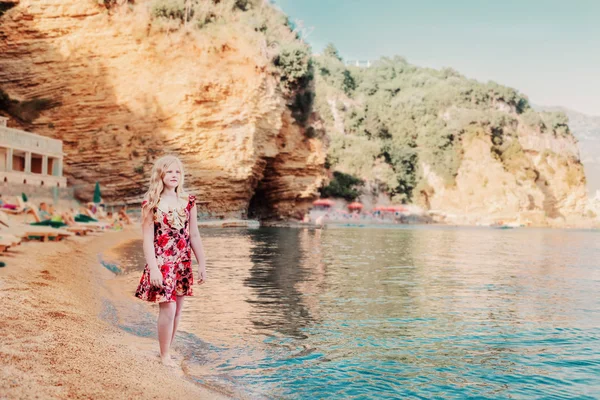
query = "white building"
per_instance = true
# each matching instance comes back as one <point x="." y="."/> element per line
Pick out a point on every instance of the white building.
<point x="27" y="158"/>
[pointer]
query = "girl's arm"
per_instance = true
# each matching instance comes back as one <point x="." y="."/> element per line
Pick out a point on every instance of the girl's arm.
<point x="148" y="234"/>
<point x="196" y="243"/>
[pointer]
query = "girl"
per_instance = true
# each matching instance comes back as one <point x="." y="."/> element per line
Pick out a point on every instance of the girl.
<point x="170" y="228"/>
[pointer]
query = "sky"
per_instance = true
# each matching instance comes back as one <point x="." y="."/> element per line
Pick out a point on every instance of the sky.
<point x="547" y="49"/>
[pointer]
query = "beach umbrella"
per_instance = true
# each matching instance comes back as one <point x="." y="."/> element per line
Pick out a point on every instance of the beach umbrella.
<point x="24" y="196"/>
<point x="355" y="206"/>
<point x="395" y="208"/>
<point x="97" y="196"/>
<point x="324" y="202"/>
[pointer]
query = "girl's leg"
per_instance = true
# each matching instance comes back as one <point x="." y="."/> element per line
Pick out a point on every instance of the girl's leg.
<point x="177" y="315"/>
<point x="166" y="316"/>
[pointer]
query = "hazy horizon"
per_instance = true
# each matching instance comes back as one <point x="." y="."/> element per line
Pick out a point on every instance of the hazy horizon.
<point x="547" y="50"/>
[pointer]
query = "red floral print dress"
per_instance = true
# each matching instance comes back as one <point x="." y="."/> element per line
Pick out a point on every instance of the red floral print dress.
<point x="173" y="256"/>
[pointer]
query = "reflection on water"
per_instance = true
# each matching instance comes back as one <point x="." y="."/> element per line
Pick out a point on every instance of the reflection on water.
<point x="397" y="312"/>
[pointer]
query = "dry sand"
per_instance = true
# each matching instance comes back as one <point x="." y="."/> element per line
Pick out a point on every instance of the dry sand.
<point x="53" y="344"/>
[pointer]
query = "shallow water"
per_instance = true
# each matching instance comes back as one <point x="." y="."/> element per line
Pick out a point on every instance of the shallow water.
<point x="363" y="313"/>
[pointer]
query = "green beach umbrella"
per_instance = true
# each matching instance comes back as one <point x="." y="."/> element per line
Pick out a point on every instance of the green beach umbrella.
<point x="97" y="197"/>
<point x="24" y="196"/>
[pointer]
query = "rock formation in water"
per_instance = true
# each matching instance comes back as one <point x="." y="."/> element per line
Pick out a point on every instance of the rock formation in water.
<point x="125" y="90"/>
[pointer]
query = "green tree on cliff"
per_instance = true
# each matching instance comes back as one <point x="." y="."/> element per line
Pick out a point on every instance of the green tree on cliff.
<point x="414" y="118"/>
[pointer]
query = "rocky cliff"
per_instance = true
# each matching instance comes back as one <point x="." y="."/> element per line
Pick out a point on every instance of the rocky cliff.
<point x="586" y="129"/>
<point x="125" y="91"/>
<point x="545" y="186"/>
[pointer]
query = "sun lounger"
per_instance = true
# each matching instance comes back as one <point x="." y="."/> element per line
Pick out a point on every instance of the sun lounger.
<point x="98" y="216"/>
<point x="84" y="221"/>
<point x="84" y="218"/>
<point x="50" y="223"/>
<point x="95" y="225"/>
<point x="18" y="208"/>
<point x="11" y="239"/>
<point x="79" y="230"/>
<point x="32" y="232"/>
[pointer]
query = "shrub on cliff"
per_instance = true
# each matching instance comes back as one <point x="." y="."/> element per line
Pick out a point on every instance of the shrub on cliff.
<point x="171" y="9"/>
<point x="295" y="69"/>
<point x="342" y="185"/>
<point x="114" y="3"/>
<point x="295" y="65"/>
<point x="199" y="12"/>
<point x="332" y="69"/>
<point x="554" y="122"/>
<point x="557" y="122"/>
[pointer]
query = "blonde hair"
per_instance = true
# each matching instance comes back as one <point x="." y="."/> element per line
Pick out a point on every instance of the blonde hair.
<point x="152" y="196"/>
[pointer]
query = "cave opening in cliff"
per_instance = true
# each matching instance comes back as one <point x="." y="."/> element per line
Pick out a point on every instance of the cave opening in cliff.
<point x="261" y="206"/>
<point x="7" y="5"/>
<point x="257" y="208"/>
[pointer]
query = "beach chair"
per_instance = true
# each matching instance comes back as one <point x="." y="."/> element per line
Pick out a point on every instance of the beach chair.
<point x="28" y="232"/>
<point x="84" y="218"/>
<point x="78" y="229"/>
<point x="48" y="222"/>
<point x="11" y="240"/>
<point x="19" y="208"/>
<point x="88" y="218"/>
<point x="4" y="235"/>
<point x="6" y="242"/>
<point x="90" y="214"/>
<point x="99" y="215"/>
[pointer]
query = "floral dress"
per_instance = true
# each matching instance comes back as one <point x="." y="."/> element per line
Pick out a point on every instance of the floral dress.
<point x="173" y="256"/>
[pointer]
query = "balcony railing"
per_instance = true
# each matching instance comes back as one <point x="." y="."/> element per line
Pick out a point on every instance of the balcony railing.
<point x="26" y="141"/>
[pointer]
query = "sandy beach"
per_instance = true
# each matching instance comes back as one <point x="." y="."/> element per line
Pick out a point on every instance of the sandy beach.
<point x="54" y="342"/>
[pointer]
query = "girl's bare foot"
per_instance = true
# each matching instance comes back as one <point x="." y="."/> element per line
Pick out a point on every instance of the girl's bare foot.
<point x="167" y="360"/>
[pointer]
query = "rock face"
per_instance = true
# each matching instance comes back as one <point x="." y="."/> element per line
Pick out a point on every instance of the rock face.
<point x="586" y="129"/>
<point x="546" y="186"/>
<point x="128" y="92"/>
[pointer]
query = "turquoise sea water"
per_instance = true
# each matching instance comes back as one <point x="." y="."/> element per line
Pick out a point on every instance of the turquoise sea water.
<point x="403" y="312"/>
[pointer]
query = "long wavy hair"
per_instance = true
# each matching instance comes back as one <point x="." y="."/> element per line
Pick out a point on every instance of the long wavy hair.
<point x="152" y="196"/>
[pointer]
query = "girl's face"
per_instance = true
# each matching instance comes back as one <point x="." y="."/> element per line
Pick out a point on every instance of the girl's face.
<point x="172" y="176"/>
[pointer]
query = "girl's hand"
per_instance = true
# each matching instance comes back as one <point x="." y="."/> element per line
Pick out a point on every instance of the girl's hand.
<point x="156" y="278"/>
<point x="202" y="275"/>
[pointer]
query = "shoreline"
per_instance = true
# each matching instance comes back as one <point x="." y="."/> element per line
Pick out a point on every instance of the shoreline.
<point x="55" y="341"/>
<point x="364" y="224"/>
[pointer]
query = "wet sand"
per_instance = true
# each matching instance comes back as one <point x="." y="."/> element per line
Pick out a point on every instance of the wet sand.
<point x="54" y="344"/>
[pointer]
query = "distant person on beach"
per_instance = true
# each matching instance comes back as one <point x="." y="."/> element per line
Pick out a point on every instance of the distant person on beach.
<point x="170" y="230"/>
<point x="123" y="216"/>
<point x="44" y="211"/>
